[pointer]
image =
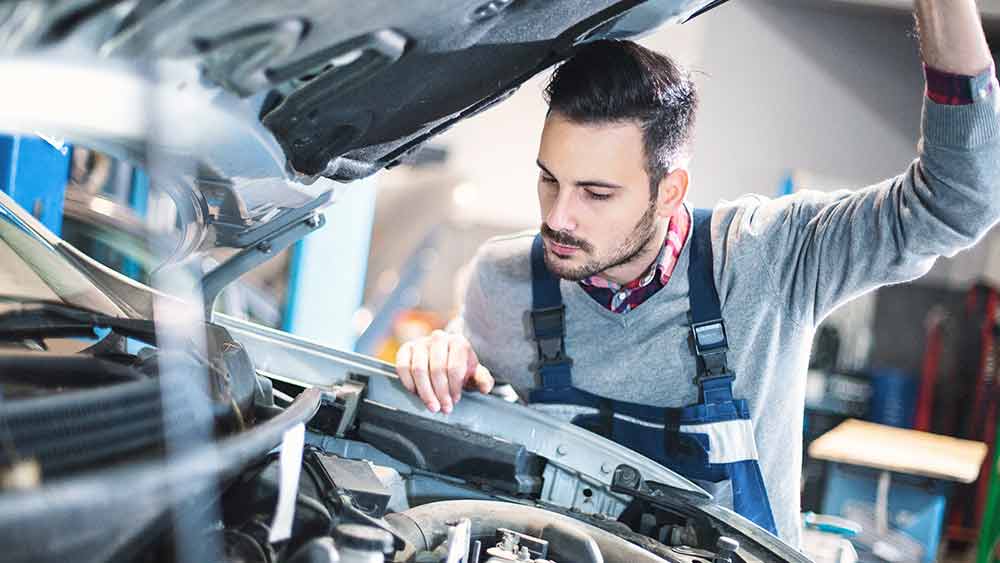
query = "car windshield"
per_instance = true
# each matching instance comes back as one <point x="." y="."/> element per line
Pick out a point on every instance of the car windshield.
<point x="34" y="270"/>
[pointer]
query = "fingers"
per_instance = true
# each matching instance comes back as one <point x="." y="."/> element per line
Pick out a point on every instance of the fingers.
<point x="477" y="376"/>
<point x="482" y="380"/>
<point x="458" y="353"/>
<point x="403" y="356"/>
<point x="439" y="369"/>
<point x="420" y="370"/>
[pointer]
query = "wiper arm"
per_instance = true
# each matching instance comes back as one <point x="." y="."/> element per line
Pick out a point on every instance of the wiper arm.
<point x="41" y="317"/>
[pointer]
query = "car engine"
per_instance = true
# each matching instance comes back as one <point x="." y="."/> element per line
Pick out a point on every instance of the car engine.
<point x="103" y="460"/>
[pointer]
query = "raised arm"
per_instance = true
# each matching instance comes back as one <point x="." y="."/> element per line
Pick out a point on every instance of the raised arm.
<point x="822" y="249"/>
<point x="951" y="36"/>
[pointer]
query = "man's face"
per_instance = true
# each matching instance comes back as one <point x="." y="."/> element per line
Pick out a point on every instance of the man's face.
<point x="593" y="189"/>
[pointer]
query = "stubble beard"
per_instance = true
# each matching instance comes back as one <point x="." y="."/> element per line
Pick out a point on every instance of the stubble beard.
<point x="628" y="251"/>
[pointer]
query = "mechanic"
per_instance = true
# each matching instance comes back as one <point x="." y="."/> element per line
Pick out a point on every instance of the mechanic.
<point x="685" y="334"/>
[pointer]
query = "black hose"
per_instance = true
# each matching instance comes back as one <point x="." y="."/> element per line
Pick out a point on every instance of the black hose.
<point x="425" y="527"/>
<point x="80" y="404"/>
<point x="319" y="508"/>
<point x="71" y="518"/>
<point x="63" y="370"/>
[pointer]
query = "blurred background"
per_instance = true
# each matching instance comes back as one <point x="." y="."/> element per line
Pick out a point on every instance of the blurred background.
<point x="794" y="94"/>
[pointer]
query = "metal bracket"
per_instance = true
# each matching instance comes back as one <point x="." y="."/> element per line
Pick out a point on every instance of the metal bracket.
<point x="259" y="252"/>
<point x="235" y="228"/>
<point x="629" y="480"/>
<point x="350" y="393"/>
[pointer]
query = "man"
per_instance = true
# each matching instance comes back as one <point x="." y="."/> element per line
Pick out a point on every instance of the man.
<point x="686" y="336"/>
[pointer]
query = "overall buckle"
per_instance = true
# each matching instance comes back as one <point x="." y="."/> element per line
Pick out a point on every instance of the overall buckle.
<point x="711" y="345"/>
<point x="549" y="329"/>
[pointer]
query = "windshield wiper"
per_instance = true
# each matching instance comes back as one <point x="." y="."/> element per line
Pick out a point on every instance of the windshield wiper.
<point x="41" y="317"/>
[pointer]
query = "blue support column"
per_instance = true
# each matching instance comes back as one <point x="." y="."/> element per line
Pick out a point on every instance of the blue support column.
<point x="34" y="173"/>
<point x="327" y="274"/>
<point x="138" y="198"/>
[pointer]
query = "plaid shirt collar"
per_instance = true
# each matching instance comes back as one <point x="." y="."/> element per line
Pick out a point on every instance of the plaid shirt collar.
<point x="628" y="296"/>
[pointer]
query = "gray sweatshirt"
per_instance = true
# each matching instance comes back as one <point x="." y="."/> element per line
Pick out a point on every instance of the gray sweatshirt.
<point x="781" y="265"/>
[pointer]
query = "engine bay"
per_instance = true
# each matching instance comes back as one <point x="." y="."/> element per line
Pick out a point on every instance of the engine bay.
<point x="121" y="452"/>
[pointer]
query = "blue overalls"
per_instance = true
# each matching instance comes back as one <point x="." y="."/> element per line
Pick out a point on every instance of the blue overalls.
<point x="709" y="441"/>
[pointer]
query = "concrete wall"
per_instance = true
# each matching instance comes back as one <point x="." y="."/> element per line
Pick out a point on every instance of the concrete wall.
<point x="794" y="86"/>
<point x="829" y="92"/>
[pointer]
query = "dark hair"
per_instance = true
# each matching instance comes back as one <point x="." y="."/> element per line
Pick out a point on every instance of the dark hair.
<point x="609" y="81"/>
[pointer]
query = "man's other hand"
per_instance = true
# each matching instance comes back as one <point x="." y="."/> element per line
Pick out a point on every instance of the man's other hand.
<point x="438" y="367"/>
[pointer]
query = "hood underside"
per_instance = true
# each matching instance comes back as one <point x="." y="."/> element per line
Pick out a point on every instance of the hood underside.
<point x="256" y="101"/>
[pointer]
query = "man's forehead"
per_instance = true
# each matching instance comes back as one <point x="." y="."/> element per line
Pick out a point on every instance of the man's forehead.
<point x="619" y="127"/>
<point x="587" y="149"/>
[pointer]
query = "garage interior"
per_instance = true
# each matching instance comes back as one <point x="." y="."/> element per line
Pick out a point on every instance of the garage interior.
<point x="901" y="421"/>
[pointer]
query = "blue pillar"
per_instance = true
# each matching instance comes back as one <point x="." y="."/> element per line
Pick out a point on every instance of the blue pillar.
<point x="34" y="173"/>
<point x="327" y="274"/>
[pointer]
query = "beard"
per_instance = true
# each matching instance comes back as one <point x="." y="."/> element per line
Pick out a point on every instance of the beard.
<point x="627" y="251"/>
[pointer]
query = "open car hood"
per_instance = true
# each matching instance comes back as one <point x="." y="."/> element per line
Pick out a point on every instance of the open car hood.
<point x="245" y="111"/>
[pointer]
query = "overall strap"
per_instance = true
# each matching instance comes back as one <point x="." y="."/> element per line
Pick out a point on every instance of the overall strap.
<point x="707" y="328"/>
<point x="548" y="323"/>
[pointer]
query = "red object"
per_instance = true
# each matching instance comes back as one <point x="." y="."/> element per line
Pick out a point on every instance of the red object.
<point x="967" y="508"/>
<point x="929" y="372"/>
<point x="985" y="409"/>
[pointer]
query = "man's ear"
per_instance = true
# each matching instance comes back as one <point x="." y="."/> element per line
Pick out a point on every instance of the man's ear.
<point x="673" y="190"/>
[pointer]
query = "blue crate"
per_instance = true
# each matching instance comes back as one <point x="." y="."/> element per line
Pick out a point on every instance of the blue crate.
<point x="894" y="398"/>
<point x="916" y="504"/>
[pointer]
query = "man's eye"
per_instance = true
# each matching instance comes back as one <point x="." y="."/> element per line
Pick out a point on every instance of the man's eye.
<point x="597" y="196"/>
<point x="548" y="180"/>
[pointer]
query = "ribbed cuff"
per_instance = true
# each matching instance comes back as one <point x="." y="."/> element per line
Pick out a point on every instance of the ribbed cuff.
<point x="969" y="125"/>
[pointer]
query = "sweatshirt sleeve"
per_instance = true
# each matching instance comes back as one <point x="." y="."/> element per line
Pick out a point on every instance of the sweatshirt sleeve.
<point x="475" y="320"/>
<point x="822" y="249"/>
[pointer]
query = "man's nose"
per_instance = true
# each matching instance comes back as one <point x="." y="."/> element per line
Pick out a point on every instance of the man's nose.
<point x="561" y="216"/>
